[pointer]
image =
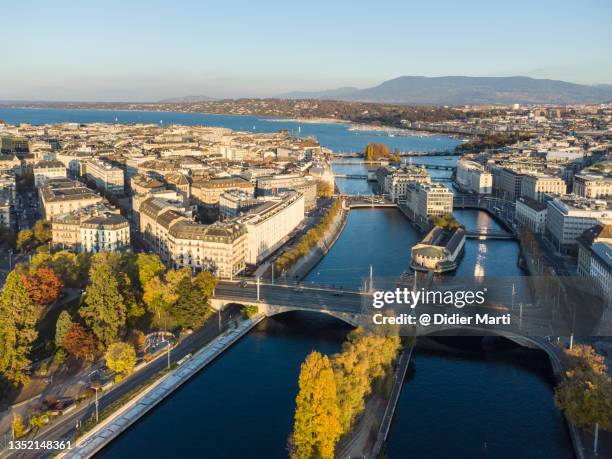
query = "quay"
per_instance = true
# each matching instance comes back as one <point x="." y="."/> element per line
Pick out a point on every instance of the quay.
<point x="128" y="414"/>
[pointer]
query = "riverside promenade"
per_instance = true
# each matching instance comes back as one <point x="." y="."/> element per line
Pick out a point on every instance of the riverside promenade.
<point x="122" y="419"/>
<point x="305" y="264"/>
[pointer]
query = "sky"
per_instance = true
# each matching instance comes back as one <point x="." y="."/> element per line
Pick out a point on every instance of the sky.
<point x="133" y="50"/>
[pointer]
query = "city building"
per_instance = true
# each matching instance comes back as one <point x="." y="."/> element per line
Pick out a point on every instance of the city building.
<point x="95" y="228"/>
<point x="472" y="177"/>
<point x="61" y="196"/>
<point x="180" y="242"/>
<point x="536" y="185"/>
<point x="569" y="216"/>
<point x="232" y="203"/>
<point x="45" y="170"/>
<point x="531" y="214"/>
<point x="439" y="251"/>
<point x="592" y="185"/>
<point x="270" y="224"/>
<point x="275" y="184"/>
<point x="430" y="199"/>
<point x="395" y="182"/>
<point x="207" y="192"/>
<point x="595" y="259"/>
<point x="105" y="175"/>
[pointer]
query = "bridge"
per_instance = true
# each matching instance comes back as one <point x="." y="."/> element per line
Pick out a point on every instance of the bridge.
<point x="355" y="306"/>
<point x="352" y="176"/>
<point x="487" y="233"/>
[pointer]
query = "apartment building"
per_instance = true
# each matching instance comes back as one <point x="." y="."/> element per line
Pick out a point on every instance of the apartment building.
<point x="207" y="192"/>
<point x="472" y="177"/>
<point x="96" y="228"/>
<point x="569" y="216"/>
<point x="510" y="182"/>
<point x="275" y="184"/>
<point x="10" y="164"/>
<point x="536" y="185"/>
<point x="105" y="175"/>
<point x="531" y="214"/>
<point x="6" y="210"/>
<point x="180" y="242"/>
<point x="595" y="259"/>
<point x="46" y="170"/>
<point x="396" y="182"/>
<point x="425" y="200"/>
<point x="73" y="160"/>
<point x="233" y="203"/>
<point x="61" y="196"/>
<point x="270" y="223"/>
<point x="591" y="185"/>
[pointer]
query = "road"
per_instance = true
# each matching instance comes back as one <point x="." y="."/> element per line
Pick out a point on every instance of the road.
<point x="315" y="298"/>
<point x="65" y="426"/>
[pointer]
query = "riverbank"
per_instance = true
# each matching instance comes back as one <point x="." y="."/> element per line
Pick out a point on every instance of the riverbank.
<point x="306" y="263"/>
<point x="368" y="436"/>
<point x="128" y="414"/>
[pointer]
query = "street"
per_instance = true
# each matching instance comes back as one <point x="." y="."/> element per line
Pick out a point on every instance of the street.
<point x="65" y="427"/>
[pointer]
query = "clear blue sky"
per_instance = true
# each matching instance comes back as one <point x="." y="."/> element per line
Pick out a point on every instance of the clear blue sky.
<point x="137" y="50"/>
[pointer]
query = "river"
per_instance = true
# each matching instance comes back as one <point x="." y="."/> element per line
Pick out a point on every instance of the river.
<point x="462" y="398"/>
<point x="465" y="401"/>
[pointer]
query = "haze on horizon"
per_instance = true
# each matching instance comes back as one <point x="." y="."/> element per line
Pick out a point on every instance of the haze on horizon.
<point x="147" y="51"/>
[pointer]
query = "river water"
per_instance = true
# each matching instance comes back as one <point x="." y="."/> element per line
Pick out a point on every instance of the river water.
<point x="462" y="398"/>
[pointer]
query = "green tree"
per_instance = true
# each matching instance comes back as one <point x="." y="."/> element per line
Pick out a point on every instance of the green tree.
<point x="316" y="427"/>
<point x="104" y="311"/>
<point x="121" y="358"/>
<point x="191" y="309"/>
<point x="64" y="321"/>
<point x="18" y="317"/>
<point x="149" y="266"/>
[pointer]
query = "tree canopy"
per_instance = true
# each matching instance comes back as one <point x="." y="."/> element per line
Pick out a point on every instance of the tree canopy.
<point x="104" y="311"/>
<point x="18" y="317"/>
<point x="316" y="426"/>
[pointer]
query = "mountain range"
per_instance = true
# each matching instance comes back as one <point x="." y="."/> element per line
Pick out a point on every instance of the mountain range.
<point x="461" y="90"/>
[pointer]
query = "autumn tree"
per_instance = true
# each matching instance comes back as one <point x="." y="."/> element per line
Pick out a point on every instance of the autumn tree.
<point x="356" y="368"/>
<point x="586" y="399"/>
<point x="79" y="342"/>
<point x="149" y="266"/>
<point x="121" y="358"/>
<point x="316" y="427"/>
<point x="104" y="310"/>
<point x="25" y="240"/>
<point x="375" y="151"/>
<point x="206" y="282"/>
<point x="585" y="395"/>
<point x="63" y="324"/>
<point x="18" y="317"/>
<point x="42" y="231"/>
<point x="44" y="286"/>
